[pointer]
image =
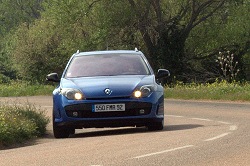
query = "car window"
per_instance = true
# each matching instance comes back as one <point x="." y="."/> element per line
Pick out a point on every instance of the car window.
<point x="107" y="65"/>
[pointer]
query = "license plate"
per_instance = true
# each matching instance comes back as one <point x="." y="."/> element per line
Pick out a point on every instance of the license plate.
<point x="108" y="107"/>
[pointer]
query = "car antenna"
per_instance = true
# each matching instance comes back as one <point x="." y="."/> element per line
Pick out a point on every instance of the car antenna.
<point x="136" y="49"/>
<point x="78" y="51"/>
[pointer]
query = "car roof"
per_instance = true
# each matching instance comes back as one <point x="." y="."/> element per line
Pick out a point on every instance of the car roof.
<point x="108" y="52"/>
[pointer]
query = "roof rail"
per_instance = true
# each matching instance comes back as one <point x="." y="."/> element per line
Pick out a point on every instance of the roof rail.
<point x="136" y="49"/>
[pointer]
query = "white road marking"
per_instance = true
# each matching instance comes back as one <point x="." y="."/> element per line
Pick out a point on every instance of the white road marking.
<point x="161" y="152"/>
<point x="233" y="128"/>
<point x="227" y="123"/>
<point x="217" y="137"/>
<point x="202" y="119"/>
<point x="175" y="116"/>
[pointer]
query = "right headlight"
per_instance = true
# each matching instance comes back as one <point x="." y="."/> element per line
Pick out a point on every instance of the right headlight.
<point x="72" y="94"/>
<point x="144" y="91"/>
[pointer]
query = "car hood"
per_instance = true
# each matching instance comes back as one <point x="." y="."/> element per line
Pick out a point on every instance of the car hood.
<point x="120" y="86"/>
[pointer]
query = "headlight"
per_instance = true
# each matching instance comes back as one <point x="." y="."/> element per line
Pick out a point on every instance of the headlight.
<point x="72" y="94"/>
<point x="144" y="91"/>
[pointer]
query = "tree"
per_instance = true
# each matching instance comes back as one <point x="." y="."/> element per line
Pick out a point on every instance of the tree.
<point x="47" y="44"/>
<point x="180" y="35"/>
<point x="12" y="13"/>
<point x="172" y="29"/>
<point x="228" y="31"/>
<point x="159" y="28"/>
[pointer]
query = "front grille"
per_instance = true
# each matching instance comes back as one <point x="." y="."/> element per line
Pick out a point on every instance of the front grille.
<point x="108" y="98"/>
<point x="85" y="110"/>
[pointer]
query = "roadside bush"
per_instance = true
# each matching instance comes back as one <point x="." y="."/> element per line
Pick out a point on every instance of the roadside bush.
<point x="19" y="123"/>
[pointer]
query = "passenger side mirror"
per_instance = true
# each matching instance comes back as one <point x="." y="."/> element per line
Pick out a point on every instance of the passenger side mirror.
<point x="53" y="77"/>
<point x="162" y="73"/>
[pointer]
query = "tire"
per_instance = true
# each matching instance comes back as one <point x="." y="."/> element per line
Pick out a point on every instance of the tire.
<point x="59" y="131"/>
<point x="72" y="131"/>
<point x="156" y="126"/>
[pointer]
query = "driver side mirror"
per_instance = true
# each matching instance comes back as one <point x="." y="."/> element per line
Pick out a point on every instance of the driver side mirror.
<point x="53" y="77"/>
<point x="162" y="73"/>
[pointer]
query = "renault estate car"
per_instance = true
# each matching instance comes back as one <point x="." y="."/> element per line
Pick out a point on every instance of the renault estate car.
<point x="107" y="89"/>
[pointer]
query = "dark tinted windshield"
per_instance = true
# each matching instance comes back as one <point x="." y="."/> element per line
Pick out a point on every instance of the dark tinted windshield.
<point x="107" y="65"/>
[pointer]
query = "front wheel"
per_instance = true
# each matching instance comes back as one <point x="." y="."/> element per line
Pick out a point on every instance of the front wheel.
<point x="60" y="132"/>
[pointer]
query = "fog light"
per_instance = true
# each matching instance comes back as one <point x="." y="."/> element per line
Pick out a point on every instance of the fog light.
<point x="75" y="114"/>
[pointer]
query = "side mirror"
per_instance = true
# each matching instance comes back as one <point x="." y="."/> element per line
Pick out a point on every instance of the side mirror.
<point x="162" y="73"/>
<point x="53" y="77"/>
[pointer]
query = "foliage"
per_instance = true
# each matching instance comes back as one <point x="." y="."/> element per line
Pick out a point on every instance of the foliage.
<point x="228" y="66"/>
<point x="19" y="123"/>
<point x="7" y="71"/>
<point x="12" y="13"/>
<point x="21" y="88"/>
<point x="246" y="61"/>
<point x="227" y="31"/>
<point x="166" y="26"/>
<point x="35" y="53"/>
<point x="180" y="35"/>
<point x="47" y="45"/>
<point x="216" y="91"/>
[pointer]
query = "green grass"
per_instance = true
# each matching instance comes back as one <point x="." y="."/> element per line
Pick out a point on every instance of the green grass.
<point x="215" y="91"/>
<point x="20" y="123"/>
<point x="20" y="88"/>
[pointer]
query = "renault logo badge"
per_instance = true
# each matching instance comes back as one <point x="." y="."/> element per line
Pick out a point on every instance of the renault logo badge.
<point x="107" y="91"/>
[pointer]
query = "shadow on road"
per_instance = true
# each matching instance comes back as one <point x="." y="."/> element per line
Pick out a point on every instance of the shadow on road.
<point x="107" y="132"/>
<point x="182" y="127"/>
<point x="122" y="131"/>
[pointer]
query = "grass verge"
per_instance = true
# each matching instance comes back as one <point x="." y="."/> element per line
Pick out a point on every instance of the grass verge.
<point x="20" y="123"/>
<point x="19" y="88"/>
<point x="215" y="91"/>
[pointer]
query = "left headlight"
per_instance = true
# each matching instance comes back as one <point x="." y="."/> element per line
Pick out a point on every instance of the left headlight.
<point x="144" y="91"/>
<point x="72" y="94"/>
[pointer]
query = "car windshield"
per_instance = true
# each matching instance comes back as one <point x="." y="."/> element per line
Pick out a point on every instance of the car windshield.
<point x="107" y="65"/>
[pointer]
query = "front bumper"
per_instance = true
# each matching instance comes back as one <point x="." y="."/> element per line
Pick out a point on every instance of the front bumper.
<point x="78" y="114"/>
<point x="138" y="122"/>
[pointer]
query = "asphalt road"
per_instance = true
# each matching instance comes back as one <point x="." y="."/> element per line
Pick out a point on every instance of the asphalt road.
<point x="195" y="133"/>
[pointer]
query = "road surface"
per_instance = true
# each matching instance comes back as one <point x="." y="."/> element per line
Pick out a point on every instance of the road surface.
<point x="202" y="133"/>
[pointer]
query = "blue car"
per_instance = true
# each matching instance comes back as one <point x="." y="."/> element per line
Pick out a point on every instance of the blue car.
<point x="107" y="89"/>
